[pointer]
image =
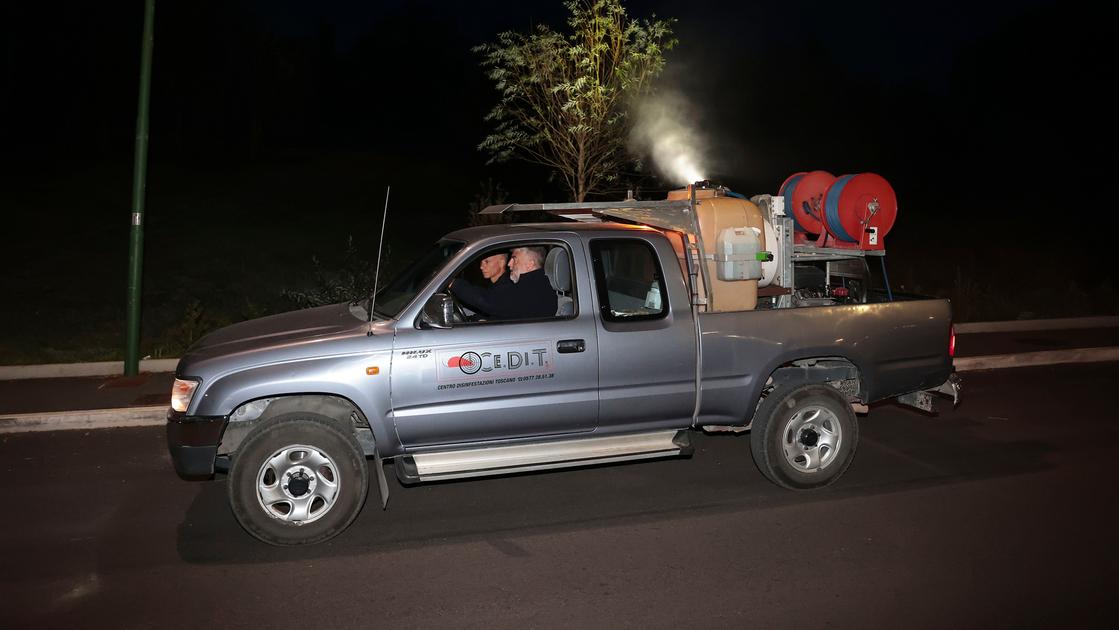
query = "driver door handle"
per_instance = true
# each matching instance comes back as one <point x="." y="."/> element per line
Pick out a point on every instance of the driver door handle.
<point x="570" y="345"/>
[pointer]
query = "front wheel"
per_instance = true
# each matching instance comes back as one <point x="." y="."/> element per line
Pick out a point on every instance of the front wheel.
<point x="804" y="438"/>
<point x="297" y="479"/>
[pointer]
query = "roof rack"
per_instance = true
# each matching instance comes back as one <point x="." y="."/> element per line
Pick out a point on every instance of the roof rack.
<point x="677" y="215"/>
<point x="673" y="215"/>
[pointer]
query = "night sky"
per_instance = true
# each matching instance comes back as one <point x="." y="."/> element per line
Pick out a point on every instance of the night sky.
<point x="925" y="92"/>
<point x="288" y="119"/>
<point x="935" y="95"/>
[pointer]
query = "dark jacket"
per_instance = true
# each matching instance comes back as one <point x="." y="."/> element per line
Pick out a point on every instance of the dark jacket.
<point x="531" y="296"/>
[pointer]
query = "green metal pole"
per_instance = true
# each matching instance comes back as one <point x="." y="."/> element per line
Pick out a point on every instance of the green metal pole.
<point x="139" y="177"/>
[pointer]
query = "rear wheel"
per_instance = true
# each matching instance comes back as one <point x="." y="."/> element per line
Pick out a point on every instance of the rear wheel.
<point x="298" y="479"/>
<point x="804" y="438"/>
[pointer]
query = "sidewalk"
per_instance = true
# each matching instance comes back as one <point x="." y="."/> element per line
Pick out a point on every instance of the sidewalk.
<point x="84" y="402"/>
<point x="45" y="395"/>
<point x="988" y="343"/>
<point x="100" y="401"/>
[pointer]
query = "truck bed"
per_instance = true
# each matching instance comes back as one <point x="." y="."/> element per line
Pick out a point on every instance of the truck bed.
<point x="741" y="349"/>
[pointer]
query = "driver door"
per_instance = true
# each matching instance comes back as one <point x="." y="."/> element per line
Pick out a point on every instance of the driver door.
<point x="481" y="381"/>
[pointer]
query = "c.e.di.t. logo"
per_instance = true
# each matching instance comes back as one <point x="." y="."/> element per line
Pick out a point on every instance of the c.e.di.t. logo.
<point x="527" y="358"/>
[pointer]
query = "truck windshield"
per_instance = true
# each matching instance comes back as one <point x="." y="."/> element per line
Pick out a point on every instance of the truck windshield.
<point x="400" y="290"/>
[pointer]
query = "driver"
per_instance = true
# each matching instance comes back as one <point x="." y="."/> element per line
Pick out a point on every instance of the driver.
<point x="527" y="292"/>
<point x="493" y="269"/>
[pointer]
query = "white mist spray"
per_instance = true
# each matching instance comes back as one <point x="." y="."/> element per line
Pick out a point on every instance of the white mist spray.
<point x="667" y="131"/>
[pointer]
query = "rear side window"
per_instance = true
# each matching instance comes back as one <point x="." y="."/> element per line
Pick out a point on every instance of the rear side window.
<point x="629" y="280"/>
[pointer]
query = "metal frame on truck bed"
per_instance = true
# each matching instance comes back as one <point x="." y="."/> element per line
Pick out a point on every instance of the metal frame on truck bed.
<point x="681" y="216"/>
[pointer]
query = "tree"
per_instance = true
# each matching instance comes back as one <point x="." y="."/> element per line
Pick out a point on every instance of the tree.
<point x="565" y="97"/>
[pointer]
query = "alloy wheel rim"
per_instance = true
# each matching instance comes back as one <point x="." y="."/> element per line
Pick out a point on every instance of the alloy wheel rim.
<point x="811" y="439"/>
<point x="297" y="484"/>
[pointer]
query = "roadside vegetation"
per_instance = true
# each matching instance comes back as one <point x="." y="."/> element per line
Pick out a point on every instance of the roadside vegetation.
<point x="241" y="225"/>
<point x="567" y="96"/>
<point x="250" y="250"/>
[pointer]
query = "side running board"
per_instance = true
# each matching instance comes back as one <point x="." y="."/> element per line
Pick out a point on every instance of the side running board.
<point x="502" y="460"/>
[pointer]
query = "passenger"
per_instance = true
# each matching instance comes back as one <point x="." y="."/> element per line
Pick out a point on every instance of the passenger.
<point x="528" y="294"/>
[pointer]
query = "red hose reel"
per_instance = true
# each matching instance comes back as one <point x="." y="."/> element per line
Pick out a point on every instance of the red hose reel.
<point x="852" y="211"/>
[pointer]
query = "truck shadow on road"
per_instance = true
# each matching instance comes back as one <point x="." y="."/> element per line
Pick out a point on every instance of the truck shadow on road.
<point x="899" y="452"/>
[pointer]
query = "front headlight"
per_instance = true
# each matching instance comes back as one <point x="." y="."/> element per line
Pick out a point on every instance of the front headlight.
<point x="181" y="393"/>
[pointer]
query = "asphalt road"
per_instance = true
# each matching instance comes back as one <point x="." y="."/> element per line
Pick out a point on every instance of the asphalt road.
<point x="1000" y="514"/>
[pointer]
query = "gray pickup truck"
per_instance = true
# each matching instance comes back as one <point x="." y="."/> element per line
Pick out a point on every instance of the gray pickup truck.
<point x="641" y="351"/>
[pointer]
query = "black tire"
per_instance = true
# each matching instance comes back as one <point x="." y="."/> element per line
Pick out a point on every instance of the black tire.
<point x="321" y="469"/>
<point x="798" y="449"/>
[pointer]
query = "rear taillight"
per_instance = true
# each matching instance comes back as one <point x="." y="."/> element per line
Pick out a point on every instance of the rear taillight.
<point x="952" y="341"/>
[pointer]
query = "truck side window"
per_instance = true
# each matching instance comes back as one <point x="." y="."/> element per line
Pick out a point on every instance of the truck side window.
<point x="629" y="280"/>
<point x="543" y="286"/>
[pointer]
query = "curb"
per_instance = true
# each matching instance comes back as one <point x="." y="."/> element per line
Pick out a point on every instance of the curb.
<point x="89" y="419"/>
<point x="1032" y="359"/>
<point x="157" y="415"/>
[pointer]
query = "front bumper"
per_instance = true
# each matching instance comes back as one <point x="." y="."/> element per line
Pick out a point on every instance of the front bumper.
<point x="193" y="442"/>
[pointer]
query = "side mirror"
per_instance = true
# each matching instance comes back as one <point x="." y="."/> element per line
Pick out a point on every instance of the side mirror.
<point x="439" y="311"/>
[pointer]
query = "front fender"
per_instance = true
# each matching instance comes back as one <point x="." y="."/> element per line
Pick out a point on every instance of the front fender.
<point x="349" y="377"/>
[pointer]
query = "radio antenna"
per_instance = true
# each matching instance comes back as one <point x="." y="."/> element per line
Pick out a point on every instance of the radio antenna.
<point x="380" y="244"/>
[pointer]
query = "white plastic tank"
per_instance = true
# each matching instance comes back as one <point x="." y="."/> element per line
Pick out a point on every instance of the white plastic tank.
<point x="717" y="212"/>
